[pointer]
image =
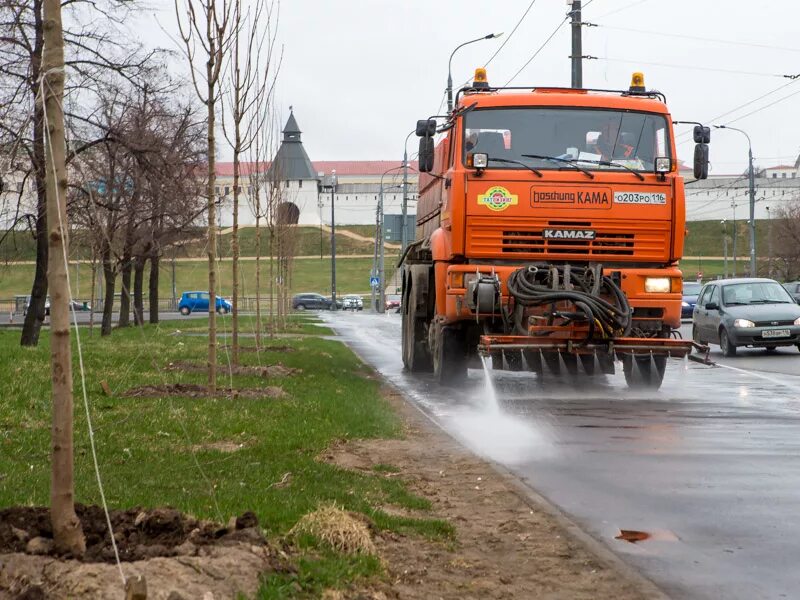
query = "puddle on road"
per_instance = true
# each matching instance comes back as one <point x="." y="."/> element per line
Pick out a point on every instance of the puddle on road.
<point x="780" y="381"/>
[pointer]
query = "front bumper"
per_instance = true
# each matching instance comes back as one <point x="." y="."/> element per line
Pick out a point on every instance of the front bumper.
<point x="754" y="336"/>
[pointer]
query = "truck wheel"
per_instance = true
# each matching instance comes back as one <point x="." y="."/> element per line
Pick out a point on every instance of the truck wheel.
<point x="644" y="371"/>
<point x="449" y="355"/>
<point x="416" y="357"/>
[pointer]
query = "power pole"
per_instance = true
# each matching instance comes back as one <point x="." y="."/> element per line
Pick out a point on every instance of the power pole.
<point x="734" y="237"/>
<point x="577" y="46"/>
<point x="752" y="177"/>
<point x="725" y="247"/>
<point x="333" y="240"/>
<point x="769" y="237"/>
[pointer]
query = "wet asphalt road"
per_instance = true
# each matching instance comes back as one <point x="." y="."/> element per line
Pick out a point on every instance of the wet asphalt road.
<point x="709" y="465"/>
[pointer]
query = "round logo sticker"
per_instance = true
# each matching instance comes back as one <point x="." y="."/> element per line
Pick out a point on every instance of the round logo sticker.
<point x="497" y="198"/>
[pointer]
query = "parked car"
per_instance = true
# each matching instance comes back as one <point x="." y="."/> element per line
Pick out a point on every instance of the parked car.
<point x="393" y="302"/>
<point x="746" y="312"/>
<point x="352" y="302"/>
<point x="793" y="287"/>
<point x="691" y="289"/>
<point x="78" y="305"/>
<point x="310" y="301"/>
<point x="198" y="301"/>
<point x="28" y="303"/>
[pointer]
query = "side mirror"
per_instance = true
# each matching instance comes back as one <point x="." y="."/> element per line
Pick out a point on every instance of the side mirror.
<point x="426" y="128"/>
<point x="712" y="306"/>
<point x="702" y="134"/>
<point x="701" y="161"/>
<point x="425" y="156"/>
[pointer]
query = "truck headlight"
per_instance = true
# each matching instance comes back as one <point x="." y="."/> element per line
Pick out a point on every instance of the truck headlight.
<point x="663" y="164"/>
<point x="656" y="285"/>
<point x="743" y="323"/>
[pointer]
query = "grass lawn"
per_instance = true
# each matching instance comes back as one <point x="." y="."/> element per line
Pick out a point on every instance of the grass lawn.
<point x="157" y="452"/>
<point x="308" y="242"/>
<point x="308" y="275"/>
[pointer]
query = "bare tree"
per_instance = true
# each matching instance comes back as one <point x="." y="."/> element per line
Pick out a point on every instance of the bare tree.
<point x="67" y="531"/>
<point x="206" y="35"/>
<point x="147" y="189"/>
<point x="96" y="48"/>
<point x="786" y="235"/>
<point x="249" y="99"/>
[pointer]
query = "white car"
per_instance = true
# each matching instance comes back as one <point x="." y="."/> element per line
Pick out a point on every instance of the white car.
<point x="352" y="302"/>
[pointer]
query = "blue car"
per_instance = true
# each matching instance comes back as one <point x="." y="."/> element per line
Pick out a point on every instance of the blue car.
<point x="198" y="301"/>
<point x="691" y="289"/>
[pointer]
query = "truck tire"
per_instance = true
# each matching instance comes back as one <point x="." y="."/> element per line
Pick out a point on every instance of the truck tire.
<point x="644" y="371"/>
<point x="416" y="355"/>
<point x="449" y="355"/>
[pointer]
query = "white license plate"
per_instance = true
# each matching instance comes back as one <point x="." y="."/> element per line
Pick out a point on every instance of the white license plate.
<point x="775" y="333"/>
<point x="639" y="198"/>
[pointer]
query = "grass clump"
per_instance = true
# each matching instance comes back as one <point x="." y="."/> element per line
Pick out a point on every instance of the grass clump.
<point x="340" y="530"/>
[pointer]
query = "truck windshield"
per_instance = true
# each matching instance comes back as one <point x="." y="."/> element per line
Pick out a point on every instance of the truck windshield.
<point x="631" y="140"/>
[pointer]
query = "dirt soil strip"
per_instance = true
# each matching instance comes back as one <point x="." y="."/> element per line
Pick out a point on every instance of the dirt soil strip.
<point x="511" y="542"/>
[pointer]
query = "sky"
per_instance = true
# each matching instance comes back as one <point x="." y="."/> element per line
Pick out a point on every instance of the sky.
<point x="359" y="73"/>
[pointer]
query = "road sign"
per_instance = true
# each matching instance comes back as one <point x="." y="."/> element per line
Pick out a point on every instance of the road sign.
<point x="374" y="281"/>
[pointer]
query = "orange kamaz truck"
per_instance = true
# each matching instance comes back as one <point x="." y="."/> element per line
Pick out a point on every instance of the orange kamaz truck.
<point x="550" y="223"/>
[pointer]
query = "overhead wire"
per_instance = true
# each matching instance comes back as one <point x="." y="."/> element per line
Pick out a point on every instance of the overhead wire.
<point x="510" y="35"/>
<point x="748" y="103"/>
<point x="613" y="12"/>
<point x="695" y="67"/>
<point x="697" y="38"/>
<point x="538" y="50"/>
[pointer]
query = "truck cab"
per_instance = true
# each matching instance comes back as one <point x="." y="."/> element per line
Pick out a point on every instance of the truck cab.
<point x="572" y="190"/>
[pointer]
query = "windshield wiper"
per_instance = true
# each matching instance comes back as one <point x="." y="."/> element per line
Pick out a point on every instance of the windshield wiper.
<point x="734" y="303"/>
<point x="514" y="162"/>
<point x="569" y="161"/>
<point x="765" y="301"/>
<point x="608" y="163"/>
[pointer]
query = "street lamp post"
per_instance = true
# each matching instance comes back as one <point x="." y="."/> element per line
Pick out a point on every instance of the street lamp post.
<point x="450" y="62"/>
<point x="752" y="184"/>
<point x="324" y="187"/>
<point x="333" y="240"/>
<point x="404" y="229"/>
<point x="379" y="239"/>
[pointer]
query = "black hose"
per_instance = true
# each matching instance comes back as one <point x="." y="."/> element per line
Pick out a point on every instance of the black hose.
<point x="532" y="286"/>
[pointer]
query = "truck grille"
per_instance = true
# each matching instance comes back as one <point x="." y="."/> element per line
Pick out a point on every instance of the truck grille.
<point x="612" y="239"/>
<point x="532" y="242"/>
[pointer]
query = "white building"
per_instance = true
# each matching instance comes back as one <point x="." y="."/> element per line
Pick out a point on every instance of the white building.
<point x="306" y="186"/>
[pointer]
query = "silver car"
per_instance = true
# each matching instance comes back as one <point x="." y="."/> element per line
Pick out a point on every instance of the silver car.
<point x="352" y="302"/>
<point x="755" y="312"/>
